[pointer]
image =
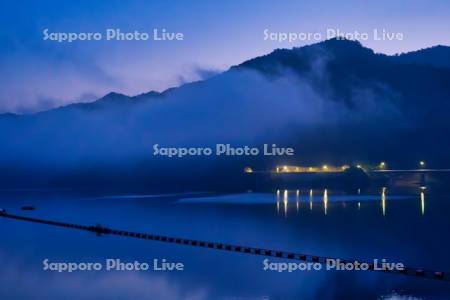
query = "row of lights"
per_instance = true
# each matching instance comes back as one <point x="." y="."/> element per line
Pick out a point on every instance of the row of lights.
<point x="381" y="165"/>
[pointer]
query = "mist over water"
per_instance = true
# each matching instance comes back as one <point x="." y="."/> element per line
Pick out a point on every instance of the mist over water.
<point x="329" y="101"/>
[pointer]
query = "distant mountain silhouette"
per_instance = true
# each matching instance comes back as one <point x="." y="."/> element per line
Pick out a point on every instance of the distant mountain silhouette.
<point x="334" y="101"/>
<point x="111" y="99"/>
<point x="438" y="56"/>
<point x="343" y="66"/>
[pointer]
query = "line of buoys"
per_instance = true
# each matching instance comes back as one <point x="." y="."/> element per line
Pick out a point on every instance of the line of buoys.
<point x="100" y="230"/>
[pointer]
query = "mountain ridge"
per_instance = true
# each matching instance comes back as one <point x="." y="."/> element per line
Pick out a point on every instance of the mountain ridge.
<point x="334" y="102"/>
<point x="281" y="56"/>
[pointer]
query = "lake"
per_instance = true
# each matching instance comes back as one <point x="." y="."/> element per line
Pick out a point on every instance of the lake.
<point x="409" y="226"/>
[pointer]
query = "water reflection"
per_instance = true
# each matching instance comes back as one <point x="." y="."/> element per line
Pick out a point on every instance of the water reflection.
<point x="252" y="222"/>
<point x="278" y="201"/>
<point x="282" y="201"/>
<point x="422" y="202"/>
<point x="285" y="202"/>
<point x="325" y="201"/>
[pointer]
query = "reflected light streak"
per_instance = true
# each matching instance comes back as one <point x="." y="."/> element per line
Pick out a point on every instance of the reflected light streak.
<point x="383" y="201"/>
<point x="422" y="202"/>
<point x="278" y="201"/>
<point x="285" y="202"/>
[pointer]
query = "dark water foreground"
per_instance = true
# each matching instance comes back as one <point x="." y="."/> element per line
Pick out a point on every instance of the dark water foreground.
<point x="409" y="226"/>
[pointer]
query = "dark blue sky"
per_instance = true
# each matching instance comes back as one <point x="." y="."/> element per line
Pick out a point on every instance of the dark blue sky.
<point x="37" y="74"/>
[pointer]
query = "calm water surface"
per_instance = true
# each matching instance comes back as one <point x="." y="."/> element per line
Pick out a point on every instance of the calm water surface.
<point x="410" y="226"/>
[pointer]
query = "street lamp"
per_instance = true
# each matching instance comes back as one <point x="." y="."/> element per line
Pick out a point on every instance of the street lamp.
<point x="422" y="163"/>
